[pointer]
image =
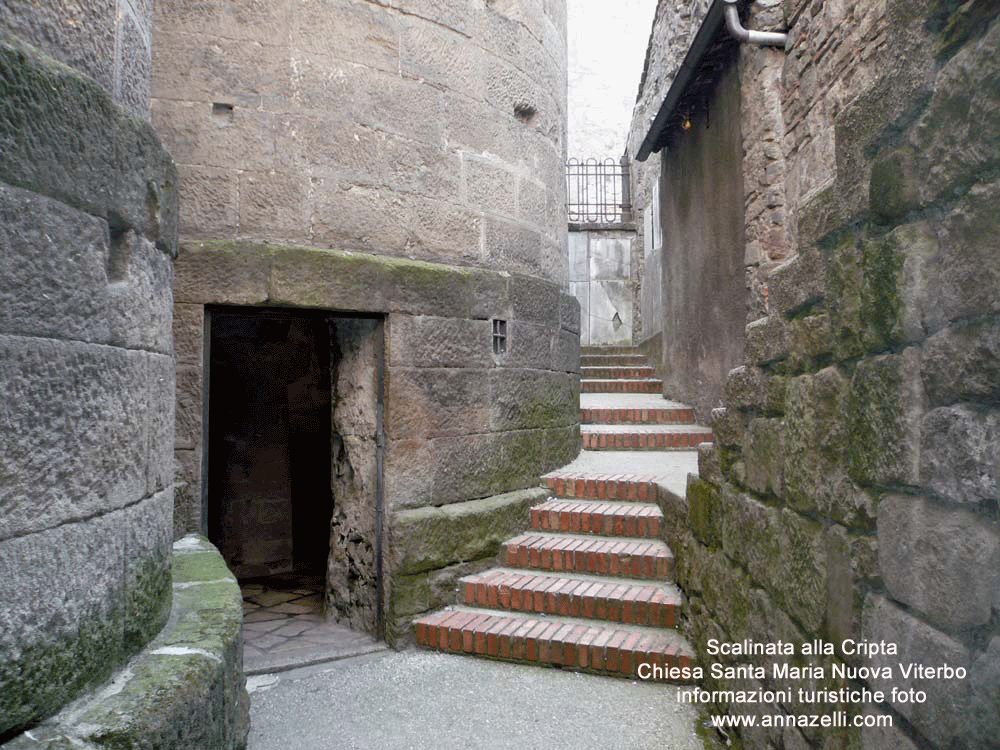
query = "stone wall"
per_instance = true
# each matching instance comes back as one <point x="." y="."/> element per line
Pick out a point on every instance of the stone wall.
<point x="401" y="161"/>
<point x="602" y="278"/>
<point x="425" y="130"/>
<point x="852" y="491"/>
<point x="87" y="231"/>
<point x="108" y="40"/>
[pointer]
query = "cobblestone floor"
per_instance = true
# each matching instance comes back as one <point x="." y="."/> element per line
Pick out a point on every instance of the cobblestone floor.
<point x="284" y="626"/>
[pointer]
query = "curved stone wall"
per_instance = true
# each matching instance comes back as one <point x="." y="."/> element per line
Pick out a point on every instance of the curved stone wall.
<point x="87" y="230"/>
<point x="420" y="129"/>
<point x="108" y="40"/>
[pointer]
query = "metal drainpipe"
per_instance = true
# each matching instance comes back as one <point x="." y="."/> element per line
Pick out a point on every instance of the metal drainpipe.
<point x="772" y="38"/>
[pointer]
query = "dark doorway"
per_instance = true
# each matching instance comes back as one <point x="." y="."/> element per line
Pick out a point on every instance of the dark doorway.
<point x="294" y="462"/>
<point x="269" y="479"/>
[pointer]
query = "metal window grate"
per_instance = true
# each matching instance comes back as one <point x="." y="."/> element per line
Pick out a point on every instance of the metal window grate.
<point x="597" y="192"/>
<point x="499" y="336"/>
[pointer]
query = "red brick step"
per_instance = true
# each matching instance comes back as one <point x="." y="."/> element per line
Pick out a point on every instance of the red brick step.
<point x="574" y="644"/>
<point x="613" y="360"/>
<point x="568" y="484"/>
<point x="607" y="599"/>
<point x="647" y="385"/>
<point x="608" y="372"/>
<point x="643" y="437"/>
<point x="590" y="517"/>
<point x="626" y="415"/>
<point x="632" y="558"/>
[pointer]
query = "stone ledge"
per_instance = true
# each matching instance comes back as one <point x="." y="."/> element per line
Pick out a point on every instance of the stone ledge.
<point x="186" y="689"/>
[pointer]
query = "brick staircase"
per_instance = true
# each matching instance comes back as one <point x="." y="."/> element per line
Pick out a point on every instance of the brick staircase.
<point x="588" y="586"/>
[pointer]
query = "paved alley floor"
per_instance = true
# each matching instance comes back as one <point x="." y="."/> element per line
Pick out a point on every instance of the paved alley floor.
<point x="421" y="700"/>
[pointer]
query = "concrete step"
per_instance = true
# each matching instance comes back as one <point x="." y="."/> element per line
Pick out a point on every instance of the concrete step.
<point x="613" y="360"/>
<point x="583" y="645"/>
<point x="609" y="372"/>
<point x="620" y="385"/>
<point x="596" y="517"/>
<point x="574" y="553"/>
<point x="573" y="595"/>
<point x="644" y="437"/>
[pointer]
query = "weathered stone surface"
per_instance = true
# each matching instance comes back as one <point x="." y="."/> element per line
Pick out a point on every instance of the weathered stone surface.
<point x="767" y="340"/>
<point x="797" y="283"/>
<point x="960" y="453"/>
<point x="765" y="456"/>
<point x="955" y="137"/>
<point x="85" y="151"/>
<point x="705" y="512"/>
<point x="529" y="345"/>
<point x="423" y="341"/>
<point x="942" y="716"/>
<point x="148" y="531"/>
<point x="884" y="410"/>
<point x="569" y="313"/>
<point x="432" y="402"/>
<point x="982" y="725"/>
<point x="187" y="492"/>
<point x="745" y="388"/>
<point x="942" y="561"/>
<point x="77" y="419"/>
<point x="729" y="426"/>
<point x="962" y="362"/>
<point x="525" y="399"/>
<point x="160" y="422"/>
<point x="186" y="688"/>
<point x="63" y="617"/>
<point x="432" y="538"/>
<point x="232" y="274"/>
<point x="889" y="737"/>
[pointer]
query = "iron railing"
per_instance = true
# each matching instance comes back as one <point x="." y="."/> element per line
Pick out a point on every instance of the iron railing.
<point x="597" y="191"/>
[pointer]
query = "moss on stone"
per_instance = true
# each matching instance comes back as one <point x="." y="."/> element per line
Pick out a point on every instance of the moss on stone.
<point x="705" y="512"/>
<point x="881" y="306"/>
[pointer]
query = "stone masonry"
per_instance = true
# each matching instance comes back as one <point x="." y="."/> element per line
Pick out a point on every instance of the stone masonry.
<point x="852" y="489"/>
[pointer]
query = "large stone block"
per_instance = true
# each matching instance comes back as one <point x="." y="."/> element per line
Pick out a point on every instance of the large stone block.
<point x="797" y="283"/>
<point x="432" y="402"/>
<point x="765" y="457"/>
<point x="982" y="725"/>
<point x="942" y="561"/>
<point x="745" y="388"/>
<point x="275" y="206"/>
<point x="960" y="453"/>
<point x="160" y="421"/>
<point x="424" y="341"/>
<point x="512" y="247"/>
<point x="528" y="399"/>
<point x="187" y="492"/>
<point x="529" y="345"/>
<point x="884" y="409"/>
<point x="767" y="340"/>
<point x="209" y="203"/>
<point x="77" y="420"/>
<point x="440" y="55"/>
<point x="488" y="185"/>
<point x="962" y="363"/>
<point x="190" y="401"/>
<point x="189" y="334"/>
<point x="942" y="716"/>
<point x="134" y="64"/>
<point x="222" y="273"/>
<point x="431" y="538"/>
<point x="956" y="135"/>
<point x="353" y="32"/>
<point x="266" y="21"/>
<point x="58" y="28"/>
<point x="53" y="269"/>
<point x="148" y="540"/>
<point x="62" y="624"/>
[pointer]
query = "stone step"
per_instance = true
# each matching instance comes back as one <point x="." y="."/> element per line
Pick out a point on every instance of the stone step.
<point x="574" y="553"/>
<point x="571" y="485"/>
<point x="636" y="385"/>
<point x="644" y="437"/>
<point x="609" y="599"/>
<point x="613" y="360"/>
<point x="605" y="372"/>
<point x="626" y="415"/>
<point x="595" y="517"/>
<point x="610" y="350"/>
<point x="583" y="645"/>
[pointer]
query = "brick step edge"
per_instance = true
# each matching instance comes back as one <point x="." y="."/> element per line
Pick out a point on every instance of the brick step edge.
<point x="642" y="558"/>
<point x="611" y="349"/>
<point x="604" y="650"/>
<point x="625" y="602"/>
<point x="612" y="372"/>
<point x="637" y="416"/>
<point x="643" y="441"/>
<point x="621" y="386"/>
<point x="613" y="360"/>
<point x="589" y="517"/>
<point x="602" y="487"/>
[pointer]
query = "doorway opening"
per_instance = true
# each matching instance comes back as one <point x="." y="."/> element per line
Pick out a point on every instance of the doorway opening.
<point x="293" y="482"/>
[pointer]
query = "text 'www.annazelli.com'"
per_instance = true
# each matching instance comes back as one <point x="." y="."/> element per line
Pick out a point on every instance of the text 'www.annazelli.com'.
<point x="836" y="719"/>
